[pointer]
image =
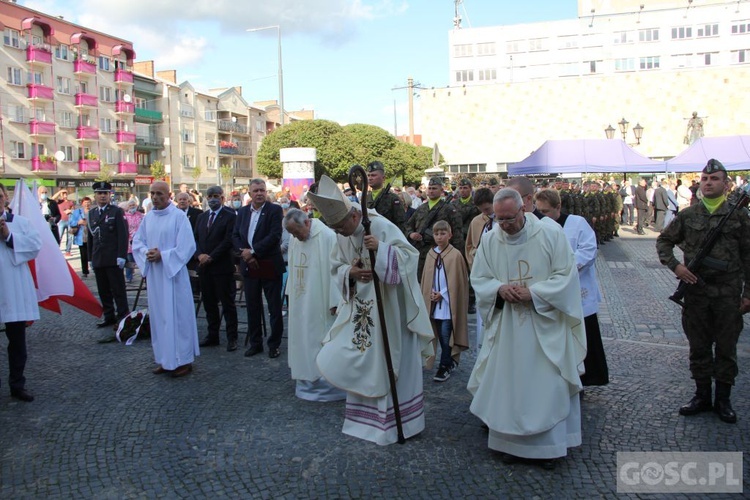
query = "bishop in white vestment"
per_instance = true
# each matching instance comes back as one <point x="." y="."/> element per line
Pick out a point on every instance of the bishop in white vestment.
<point x="526" y="381"/>
<point x="311" y="299"/>
<point x="174" y="333"/>
<point x="353" y="356"/>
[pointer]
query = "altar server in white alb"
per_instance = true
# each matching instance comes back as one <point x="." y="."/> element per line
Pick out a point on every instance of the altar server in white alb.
<point x="526" y="381"/>
<point x="162" y="247"/>
<point x="352" y="357"/>
<point x="19" y="243"/>
<point x="582" y="241"/>
<point x="312" y="302"/>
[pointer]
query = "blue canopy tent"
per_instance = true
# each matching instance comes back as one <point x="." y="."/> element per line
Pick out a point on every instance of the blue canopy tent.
<point x="585" y="156"/>
<point x="733" y="151"/>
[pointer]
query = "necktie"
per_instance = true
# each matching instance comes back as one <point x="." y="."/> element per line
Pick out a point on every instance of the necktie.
<point x="211" y="219"/>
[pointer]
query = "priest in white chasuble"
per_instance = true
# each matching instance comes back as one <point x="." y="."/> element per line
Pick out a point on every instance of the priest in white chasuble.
<point x="353" y="357"/>
<point x="162" y="247"/>
<point x="526" y="381"/>
<point x="312" y="303"/>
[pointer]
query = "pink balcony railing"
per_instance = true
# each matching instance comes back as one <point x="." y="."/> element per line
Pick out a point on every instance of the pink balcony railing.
<point x="87" y="100"/>
<point x="38" y="165"/>
<point x="125" y="137"/>
<point x="87" y="133"/>
<point x="40" y="92"/>
<point x="127" y="167"/>
<point x="85" y="67"/>
<point x="38" y="55"/>
<point x="124" y="108"/>
<point x="88" y="166"/>
<point x="41" y="128"/>
<point x="122" y="76"/>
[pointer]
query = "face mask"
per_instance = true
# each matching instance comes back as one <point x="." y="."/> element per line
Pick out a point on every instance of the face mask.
<point x="44" y="196"/>
<point x="236" y="204"/>
<point x="214" y="204"/>
<point x="285" y="206"/>
<point x="132" y="210"/>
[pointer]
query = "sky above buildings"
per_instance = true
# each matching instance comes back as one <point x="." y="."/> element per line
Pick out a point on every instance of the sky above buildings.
<point x="341" y="58"/>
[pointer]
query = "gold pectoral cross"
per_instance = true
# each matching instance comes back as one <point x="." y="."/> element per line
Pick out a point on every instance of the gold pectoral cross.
<point x="299" y="275"/>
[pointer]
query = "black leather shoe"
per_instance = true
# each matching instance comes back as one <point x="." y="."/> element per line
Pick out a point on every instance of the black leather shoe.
<point x="22" y="394"/>
<point x="208" y="342"/>
<point x="274" y="353"/>
<point x="722" y="405"/>
<point x="253" y="351"/>
<point x="232" y="345"/>
<point x="106" y="322"/>
<point x="696" y="405"/>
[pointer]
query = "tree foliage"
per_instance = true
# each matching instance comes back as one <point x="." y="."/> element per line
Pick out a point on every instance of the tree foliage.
<point x="338" y="148"/>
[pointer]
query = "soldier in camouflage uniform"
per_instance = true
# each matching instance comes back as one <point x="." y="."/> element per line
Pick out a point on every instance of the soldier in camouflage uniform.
<point x="566" y="198"/>
<point x="465" y="207"/>
<point x="579" y="205"/>
<point x="384" y="202"/>
<point x="712" y="313"/>
<point x="419" y="225"/>
<point x="617" y="199"/>
<point x="591" y="208"/>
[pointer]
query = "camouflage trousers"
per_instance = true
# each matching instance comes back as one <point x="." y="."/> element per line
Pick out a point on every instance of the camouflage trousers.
<point x="711" y="321"/>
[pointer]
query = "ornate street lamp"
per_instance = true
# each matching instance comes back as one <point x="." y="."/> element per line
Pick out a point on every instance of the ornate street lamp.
<point x="610" y="131"/>
<point x="638" y="132"/>
<point x="623" y="127"/>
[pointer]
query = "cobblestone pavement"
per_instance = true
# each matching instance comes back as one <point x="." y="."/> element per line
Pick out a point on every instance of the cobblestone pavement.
<point x="103" y="426"/>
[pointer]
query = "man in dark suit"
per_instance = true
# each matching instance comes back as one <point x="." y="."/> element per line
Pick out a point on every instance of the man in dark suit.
<point x="661" y="205"/>
<point x="50" y="211"/>
<point x="641" y="206"/>
<point x="214" y="252"/>
<point x="257" y="236"/>
<point x="108" y="248"/>
<point x="183" y="203"/>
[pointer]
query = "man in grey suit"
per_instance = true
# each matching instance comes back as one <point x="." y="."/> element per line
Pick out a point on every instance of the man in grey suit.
<point x="108" y="237"/>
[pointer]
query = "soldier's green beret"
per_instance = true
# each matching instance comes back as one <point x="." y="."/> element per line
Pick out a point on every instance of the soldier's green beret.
<point x="494" y="181"/>
<point x="464" y="182"/>
<point x="713" y="166"/>
<point x="435" y="181"/>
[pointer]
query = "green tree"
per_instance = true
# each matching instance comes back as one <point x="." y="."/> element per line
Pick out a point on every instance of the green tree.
<point x="158" y="172"/>
<point x="196" y="174"/>
<point x="106" y="173"/>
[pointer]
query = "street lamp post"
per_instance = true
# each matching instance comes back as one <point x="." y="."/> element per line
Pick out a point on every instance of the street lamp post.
<point x="637" y="131"/>
<point x="610" y="131"/>
<point x="281" y="70"/>
<point x="623" y="128"/>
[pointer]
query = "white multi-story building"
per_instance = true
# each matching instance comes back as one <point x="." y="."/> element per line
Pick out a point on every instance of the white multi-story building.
<point x="513" y="87"/>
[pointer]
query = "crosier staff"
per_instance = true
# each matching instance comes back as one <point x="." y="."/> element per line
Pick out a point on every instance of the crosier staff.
<point x="355" y="171"/>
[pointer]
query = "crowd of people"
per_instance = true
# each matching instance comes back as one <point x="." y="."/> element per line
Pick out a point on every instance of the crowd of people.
<point x="380" y="287"/>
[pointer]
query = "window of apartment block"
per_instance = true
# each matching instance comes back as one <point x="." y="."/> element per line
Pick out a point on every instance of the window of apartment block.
<point x="260" y="125"/>
<point x="568" y="41"/>
<point x="122" y="126"/>
<point x="82" y="152"/>
<point x="62" y="51"/>
<point x="236" y="164"/>
<point x="462" y="50"/>
<point x="106" y="94"/>
<point x="63" y="85"/>
<point x="487" y="75"/>
<point x="536" y="44"/>
<point x="38" y="150"/>
<point x="35" y="77"/>
<point x="68" y="150"/>
<point x="108" y="156"/>
<point x="625" y="64"/>
<point x="11" y="38"/>
<point x="682" y="61"/>
<point x="105" y="63"/>
<point x="210" y="139"/>
<point x="37" y="41"/>
<point x="210" y="163"/>
<point x="622" y="37"/>
<point x="188" y="135"/>
<point x="139" y="102"/>
<point x="14" y="76"/>
<point x="486" y="49"/>
<point x="707" y="30"/>
<point x="84" y="120"/>
<point x="740" y="56"/>
<point x="105" y="125"/>
<point x="568" y="69"/>
<point x="465" y="75"/>
<point x="143" y="159"/>
<point x="682" y="33"/>
<point x="18" y="150"/>
<point x="592" y="67"/>
<point x="709" y="58"/>
<point x="17" y="113"/>
<point x="40" y="114"/>
<point x="591" y="40"/>
<point x="648" y="35"/>
<point x="210" y="115"/>
<point x="741" y="27"/>
<point x="513" y="46"/>
<point x="65" y="119"/>
<point x="82" y="87"/>
<point x="651" y="62"/>
<point x="187" y="161"/>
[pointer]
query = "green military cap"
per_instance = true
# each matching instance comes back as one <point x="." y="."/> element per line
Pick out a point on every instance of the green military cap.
<point x="713" y="166"/>
<point x="375" y="165"/>
<point x="464" y="182"/>
<point x="435" y="181"/>
<point x="494" y="181"/>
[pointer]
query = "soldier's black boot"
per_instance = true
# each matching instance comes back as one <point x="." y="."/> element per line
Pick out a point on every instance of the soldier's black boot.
<point x="701" y="401"/>
<point x="722" y="405"/>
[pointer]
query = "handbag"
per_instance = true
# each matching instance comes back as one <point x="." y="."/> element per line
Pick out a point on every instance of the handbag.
<point x="74" y="230"/>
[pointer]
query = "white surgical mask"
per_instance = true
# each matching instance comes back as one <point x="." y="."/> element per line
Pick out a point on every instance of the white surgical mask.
<point x="236" y="204"/>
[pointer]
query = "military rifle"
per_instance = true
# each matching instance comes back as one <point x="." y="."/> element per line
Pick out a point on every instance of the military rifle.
<point x="701" y="256"/>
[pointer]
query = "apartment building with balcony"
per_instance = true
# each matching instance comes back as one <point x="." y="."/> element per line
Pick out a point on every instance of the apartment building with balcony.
<point x="66" y="92"/>
<point x="514" y="86"/>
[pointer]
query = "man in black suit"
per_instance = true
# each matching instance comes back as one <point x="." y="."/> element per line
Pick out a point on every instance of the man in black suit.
<point x="183" y="203"/>
<point x="641" y="206"/>
<point x="50" y="211"/>
<point x="257" y="236"/>
<point x="214" y="251"/>
<point x="108" y="248"/>
<point x="661" y="205"/>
